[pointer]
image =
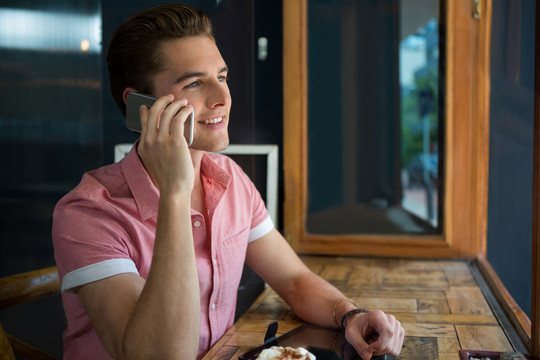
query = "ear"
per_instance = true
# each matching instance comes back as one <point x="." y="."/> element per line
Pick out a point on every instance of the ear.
<point x="126" y="91"/>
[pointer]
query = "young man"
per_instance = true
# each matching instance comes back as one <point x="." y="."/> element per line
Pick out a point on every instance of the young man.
<point x="151" y="249"/>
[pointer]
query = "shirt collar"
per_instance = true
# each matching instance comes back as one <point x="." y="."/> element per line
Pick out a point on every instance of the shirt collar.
<point x="210" y="169"/>
<point x="145" y="193"/>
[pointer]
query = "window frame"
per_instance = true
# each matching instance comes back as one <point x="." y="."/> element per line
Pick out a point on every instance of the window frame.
<point x="466" y="143"/>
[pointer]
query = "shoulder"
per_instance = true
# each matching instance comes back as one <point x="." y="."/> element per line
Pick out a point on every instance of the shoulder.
<point x="95" y="187"/>
<point x="88" y="215"/>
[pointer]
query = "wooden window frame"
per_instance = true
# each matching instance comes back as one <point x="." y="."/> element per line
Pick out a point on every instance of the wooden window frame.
<point x="466" y="143"/>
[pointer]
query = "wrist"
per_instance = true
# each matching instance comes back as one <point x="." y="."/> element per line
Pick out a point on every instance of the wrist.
<point x="341" y="307"/>
<point x="345" y="319"/>
<point x="175" y="198"/>
<point x="174" y="187"/>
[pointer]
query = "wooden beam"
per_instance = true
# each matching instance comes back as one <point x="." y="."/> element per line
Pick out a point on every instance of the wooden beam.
<point x="33" y="285"/>
<point x="6" y="352"/>
<point x="517" y="317"/>
<point x="294" y="116"/>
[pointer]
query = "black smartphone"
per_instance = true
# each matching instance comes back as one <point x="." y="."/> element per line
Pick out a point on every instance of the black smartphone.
<point x="133" y="120"/>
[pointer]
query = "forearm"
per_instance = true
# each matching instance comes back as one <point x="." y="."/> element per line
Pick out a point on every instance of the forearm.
<point x="311" y="297"/>
<point x="314" y="300"/>
<point x="168" y="310"/>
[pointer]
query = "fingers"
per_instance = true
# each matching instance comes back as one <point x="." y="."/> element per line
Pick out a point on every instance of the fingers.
<point x="391" y="335"/>
<point x="143" y="114"/>
<point x="399" y="335"/>
<point x="360" y="345"/>
<point x="164" y="118"/>
<point x="177" y="123"/>
<point x="399" y="339"/>
<point x="162" y="147"/>
<point x="175" y="112"/>
<point x="375" y="333"/>
<point x="150" y="118"/>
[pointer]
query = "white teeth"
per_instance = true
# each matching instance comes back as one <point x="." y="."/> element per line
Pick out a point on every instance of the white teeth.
<point x="213" y="121"/>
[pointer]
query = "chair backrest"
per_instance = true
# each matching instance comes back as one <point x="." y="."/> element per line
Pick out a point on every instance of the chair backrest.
<point x="20" y="289"/>
<point x="6" y="352"/>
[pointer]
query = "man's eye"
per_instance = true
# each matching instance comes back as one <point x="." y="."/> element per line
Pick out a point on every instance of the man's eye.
<point x="193" y="84"/>
<point x="222" y="78"/>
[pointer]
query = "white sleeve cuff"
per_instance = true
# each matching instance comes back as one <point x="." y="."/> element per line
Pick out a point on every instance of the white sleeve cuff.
<point x="97" y="271"/>
<point x="260" y="230"/>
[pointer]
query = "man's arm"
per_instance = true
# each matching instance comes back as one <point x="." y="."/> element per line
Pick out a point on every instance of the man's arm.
<point x="156" y="318"/>
<point x="314" y="300"/>
<point x="273" y="259"/>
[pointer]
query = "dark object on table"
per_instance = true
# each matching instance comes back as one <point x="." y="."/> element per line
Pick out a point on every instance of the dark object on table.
<point x="513" y="356"/>
<point x="324" y="343"/>
<point x="490" y="355"/>
<point x="324" y="354"/>
<point x="270" y="337"/>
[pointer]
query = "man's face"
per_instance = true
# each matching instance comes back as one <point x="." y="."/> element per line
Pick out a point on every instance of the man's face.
<point x="195" y="70"/>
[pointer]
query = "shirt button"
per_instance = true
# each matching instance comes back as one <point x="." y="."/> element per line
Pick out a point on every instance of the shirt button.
<point x="213" y="306"/>
<point x="197" y="223"/>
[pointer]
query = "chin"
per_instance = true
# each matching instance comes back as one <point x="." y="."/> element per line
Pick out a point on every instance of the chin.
<point x="213" y="146"/>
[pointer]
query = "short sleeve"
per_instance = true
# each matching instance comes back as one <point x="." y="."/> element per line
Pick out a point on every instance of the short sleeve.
<point x="261" y="223"/>
<point x="89" y="241"/>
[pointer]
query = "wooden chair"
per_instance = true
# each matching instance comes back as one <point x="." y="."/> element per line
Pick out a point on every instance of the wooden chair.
<point x="20" y="289"/>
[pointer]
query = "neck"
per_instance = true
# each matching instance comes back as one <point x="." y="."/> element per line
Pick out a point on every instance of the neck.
<point x="196" y="157"/>
<point x="197" y="195"/>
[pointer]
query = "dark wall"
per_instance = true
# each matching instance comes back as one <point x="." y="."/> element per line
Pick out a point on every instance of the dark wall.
<point x="511" y="147"/>
<point x="50" y="133"/>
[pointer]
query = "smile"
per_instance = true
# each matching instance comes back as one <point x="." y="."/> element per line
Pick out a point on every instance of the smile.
<point x="212" y="121"/>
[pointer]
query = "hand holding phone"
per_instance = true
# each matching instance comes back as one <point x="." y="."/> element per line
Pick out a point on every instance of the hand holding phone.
<point x="133" y="120"/>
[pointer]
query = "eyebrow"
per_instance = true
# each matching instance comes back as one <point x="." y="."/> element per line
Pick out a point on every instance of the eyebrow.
<point x="193" y="74"/>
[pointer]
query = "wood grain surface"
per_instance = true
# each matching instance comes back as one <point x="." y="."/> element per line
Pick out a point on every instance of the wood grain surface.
<point x="437" y="301"/>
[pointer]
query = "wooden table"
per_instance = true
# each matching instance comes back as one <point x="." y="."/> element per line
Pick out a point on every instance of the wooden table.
<point x="438" y="302"/>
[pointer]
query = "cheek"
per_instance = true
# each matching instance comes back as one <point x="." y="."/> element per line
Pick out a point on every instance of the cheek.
<point x="179" y="94"/>
<point x="229" y="97"/>
<point x="191" y="97"/>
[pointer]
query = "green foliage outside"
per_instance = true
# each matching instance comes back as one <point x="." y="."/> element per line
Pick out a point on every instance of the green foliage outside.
<point x="411" y="122"/>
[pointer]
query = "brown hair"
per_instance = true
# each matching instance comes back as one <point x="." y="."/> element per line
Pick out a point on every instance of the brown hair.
<point x="134" y="53"/>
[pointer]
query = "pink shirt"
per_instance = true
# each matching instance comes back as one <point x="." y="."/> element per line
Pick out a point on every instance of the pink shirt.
<point x="106" y="226"/>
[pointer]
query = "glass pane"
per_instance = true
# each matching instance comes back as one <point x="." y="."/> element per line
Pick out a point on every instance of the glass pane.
<point x="374" y="125"/>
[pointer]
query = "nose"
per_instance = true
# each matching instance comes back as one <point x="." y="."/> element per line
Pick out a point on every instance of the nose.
<point x="218" y="95"/>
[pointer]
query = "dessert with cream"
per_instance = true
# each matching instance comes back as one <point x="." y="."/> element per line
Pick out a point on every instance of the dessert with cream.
<point x="285" y="353"/>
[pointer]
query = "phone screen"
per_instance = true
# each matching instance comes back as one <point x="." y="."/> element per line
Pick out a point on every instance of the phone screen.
<point x="133" y="120"/>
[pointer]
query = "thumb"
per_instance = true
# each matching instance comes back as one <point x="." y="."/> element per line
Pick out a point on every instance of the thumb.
<point x="360" y="345"/>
